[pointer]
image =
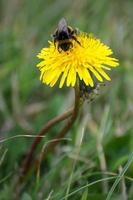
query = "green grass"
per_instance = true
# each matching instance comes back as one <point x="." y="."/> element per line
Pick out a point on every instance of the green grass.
<point x="95" y="162"/>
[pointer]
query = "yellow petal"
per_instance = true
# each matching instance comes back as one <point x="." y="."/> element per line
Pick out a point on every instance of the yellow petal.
<point x="96" y="73"/>
<point x="87" y="78"/>
<point x="71" y="74"/>
<point x="64" y="77"/>
<point x="103" y="73"/>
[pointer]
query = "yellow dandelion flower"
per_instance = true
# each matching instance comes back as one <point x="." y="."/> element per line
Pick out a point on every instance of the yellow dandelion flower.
<point x="79" y="62"/>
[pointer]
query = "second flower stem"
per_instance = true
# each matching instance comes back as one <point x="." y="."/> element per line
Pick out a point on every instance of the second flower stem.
<point x="64" y="131"/>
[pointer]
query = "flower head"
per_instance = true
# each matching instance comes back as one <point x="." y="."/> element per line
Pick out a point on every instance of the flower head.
<point x="80" y="61"/>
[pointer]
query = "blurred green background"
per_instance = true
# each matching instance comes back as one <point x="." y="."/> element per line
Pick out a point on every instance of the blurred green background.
<point x="104" y="127"/>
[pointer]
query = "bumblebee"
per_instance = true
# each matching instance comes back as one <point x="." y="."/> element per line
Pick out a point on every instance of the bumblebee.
<point x="64" y="35"/>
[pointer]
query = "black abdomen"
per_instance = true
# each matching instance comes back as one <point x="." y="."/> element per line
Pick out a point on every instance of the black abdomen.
<point x="65" y="46"/>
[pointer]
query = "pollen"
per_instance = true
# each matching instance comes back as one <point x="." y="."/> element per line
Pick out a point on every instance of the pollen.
<point x="79" y="62"/>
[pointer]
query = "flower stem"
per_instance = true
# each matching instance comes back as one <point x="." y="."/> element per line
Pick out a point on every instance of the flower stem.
<point x="64" y="131"/>
<point x="29" y="161"/>
<point x="29" y="157"/>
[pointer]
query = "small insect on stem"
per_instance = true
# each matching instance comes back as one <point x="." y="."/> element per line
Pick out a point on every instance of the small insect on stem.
<point x="64" y="35"/>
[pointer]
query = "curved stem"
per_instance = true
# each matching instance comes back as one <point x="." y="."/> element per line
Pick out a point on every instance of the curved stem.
<point x="26" y="165"/>
<point x="29" y="157"/>
<point x="64" y="131"/>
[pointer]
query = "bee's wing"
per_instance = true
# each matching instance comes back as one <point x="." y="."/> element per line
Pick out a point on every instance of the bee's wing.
<point x="62" y="25"/>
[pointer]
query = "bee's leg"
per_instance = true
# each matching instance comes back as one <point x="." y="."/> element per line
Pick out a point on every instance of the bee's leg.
<point x="54" y="43"/>
<point x="71" y="45"/>
<point x="76" y="31"/>
<point x="59" y="49"/>
<point x="73" y="37"/>
<point x="55" y="40"/>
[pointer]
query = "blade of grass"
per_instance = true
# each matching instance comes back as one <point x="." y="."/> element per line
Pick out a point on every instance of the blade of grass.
<point x="88" y="185"/>
<point x="78" y="145"/>
<point x="79" y="140"/>
<point x="130" y="160"/>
